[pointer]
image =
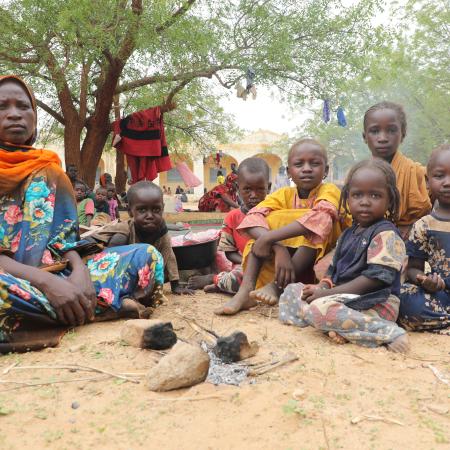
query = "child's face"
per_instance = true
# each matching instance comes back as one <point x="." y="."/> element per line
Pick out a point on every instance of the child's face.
<point x="368" y="198"/>
<point x="147" y="210"/>
<point x="383" y="133"/>
<point x="100" y="195"/>
<point x="253" y="188"/>
<point x="307" y="166"/>
<point x="111" y="193"/>
<point x="438" y="178"/>
<point x="80" y="192"/>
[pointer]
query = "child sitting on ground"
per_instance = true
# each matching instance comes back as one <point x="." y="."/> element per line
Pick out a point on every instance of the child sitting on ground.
<point x="357" y="300"/>
<point x="384" y="131"/>
<point x="293" y="227"/>
<point x="101" y="202"/>
<point x="146" y="225"/>
<point x="425" y="300"/>
<point x="85" y="205"/>
<point x="253" y="185"/>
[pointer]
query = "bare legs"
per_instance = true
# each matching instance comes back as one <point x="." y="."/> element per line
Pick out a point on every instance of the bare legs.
<point x="303" y="259"/>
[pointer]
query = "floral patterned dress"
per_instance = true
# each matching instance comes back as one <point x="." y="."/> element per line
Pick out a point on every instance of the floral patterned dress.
<point x="429" y="241"/>
<point x="38" y="224"/>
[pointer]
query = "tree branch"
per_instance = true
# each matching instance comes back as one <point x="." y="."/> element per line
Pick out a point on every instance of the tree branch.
<point x="183" y="9"/>
<point x="51" y="111"/>
<point x="17" y="60"/>
<point x="207" y="73"/>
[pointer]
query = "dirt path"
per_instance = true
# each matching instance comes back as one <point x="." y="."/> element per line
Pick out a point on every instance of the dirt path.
<point x="333" y="385"/>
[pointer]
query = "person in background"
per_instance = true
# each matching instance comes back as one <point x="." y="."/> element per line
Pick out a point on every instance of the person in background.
<point x="85" y="205"/>
<point x="221" y="198"/>
<point x="112" y="202"/>
<point x="220" y="178"/>
<point x="178" y="190"/>
<point x="101" y="201"/>
<point x="281" y="180"/>
<point x="164" y="189"/>
<point x="169" y="191"/>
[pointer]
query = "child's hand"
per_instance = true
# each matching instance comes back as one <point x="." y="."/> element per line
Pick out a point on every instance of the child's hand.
<point x="262" y="248"/>
<point x="431" y="283"/>
<point x="308" y="291"/>
<point x="284" y="269"/>
<point x="180" y="290"/>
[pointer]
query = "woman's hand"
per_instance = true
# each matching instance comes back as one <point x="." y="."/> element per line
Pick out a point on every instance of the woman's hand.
<point x="284" y="269"/>
<point x="431" y="283"/>
<point x="71" y="305"/>
<point x="262" y="248"/>
<point x="80" y="277"/>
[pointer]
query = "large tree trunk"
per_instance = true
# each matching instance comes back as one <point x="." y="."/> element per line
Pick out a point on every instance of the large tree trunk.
<point x="121" y="173"/>
<point x="91" y="152"/>
<point x="72" y="153"/>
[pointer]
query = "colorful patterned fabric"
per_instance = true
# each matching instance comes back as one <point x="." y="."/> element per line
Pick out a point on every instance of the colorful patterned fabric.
<point x="229" y="282"/>
<point x="370" y="328"/>
<point x="212" y="200"/>
<point x="420" y="310"/>
<point x="38" y="224"/>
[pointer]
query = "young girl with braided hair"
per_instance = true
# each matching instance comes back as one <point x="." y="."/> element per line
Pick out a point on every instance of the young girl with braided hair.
<point x="357" y="299"/>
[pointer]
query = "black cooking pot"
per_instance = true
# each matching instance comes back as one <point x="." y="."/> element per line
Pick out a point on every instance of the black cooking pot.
<point x="196" y="256"/>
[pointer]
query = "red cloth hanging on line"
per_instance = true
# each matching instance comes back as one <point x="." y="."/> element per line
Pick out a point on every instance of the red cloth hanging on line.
<point x="143" y="141"/>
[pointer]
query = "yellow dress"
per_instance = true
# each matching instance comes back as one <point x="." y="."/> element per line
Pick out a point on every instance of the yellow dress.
<point x="318" y="213"/>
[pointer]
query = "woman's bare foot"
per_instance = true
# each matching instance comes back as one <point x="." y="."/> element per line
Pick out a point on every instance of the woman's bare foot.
<point x="200" y="281"/>
<point x="337" y="338"/>
<point x="269" y="294"/>
<point x="238" y="303"/>
<point x="400" y="345"/>
<point x="211" y="288"/>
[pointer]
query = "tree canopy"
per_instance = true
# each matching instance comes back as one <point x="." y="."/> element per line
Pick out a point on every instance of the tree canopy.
<point x="410" y="68"/>
<point x="82" y="55"/>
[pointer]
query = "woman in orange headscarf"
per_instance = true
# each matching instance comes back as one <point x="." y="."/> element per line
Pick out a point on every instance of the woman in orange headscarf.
<point x="39" y="235"/>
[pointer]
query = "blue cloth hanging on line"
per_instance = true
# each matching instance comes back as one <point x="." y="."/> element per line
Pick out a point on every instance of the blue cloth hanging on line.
<point x="342" y="121"/>
<point x="326" y="111"/>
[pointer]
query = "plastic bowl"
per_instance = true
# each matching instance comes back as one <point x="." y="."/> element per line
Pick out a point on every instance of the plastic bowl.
<point x="196" y="256"/>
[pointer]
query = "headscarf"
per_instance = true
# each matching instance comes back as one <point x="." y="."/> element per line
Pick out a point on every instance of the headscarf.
<point x="17" y="162"/>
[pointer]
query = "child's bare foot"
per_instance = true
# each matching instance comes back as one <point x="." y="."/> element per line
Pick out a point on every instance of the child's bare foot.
<point x="200" y="281"/>
<point x="211" y="288"/>
<point x="238" y="303"/>
<point x="269" y="294"/>
<point x="337" y="338"/>
<point x="400" y="345"/>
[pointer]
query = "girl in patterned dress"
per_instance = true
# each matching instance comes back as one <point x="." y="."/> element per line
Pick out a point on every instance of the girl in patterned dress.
<point x="425" y="299"/>
<point x="357" y="300"/>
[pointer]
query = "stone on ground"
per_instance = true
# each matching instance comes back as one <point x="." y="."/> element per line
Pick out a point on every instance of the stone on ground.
<point x="148" y="333"/>
<point x="235" y="347"/>
<point x="185" y="365"/>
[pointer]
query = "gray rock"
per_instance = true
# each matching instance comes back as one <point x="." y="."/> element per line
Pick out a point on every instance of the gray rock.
<point x="185" y="365"/>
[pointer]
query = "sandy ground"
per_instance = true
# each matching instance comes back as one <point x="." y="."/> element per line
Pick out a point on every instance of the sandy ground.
<point x="333" y="385"/>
